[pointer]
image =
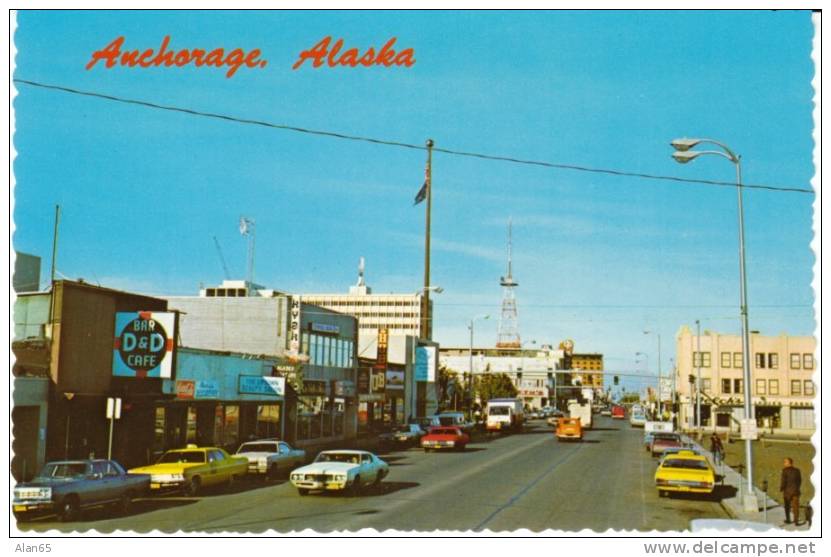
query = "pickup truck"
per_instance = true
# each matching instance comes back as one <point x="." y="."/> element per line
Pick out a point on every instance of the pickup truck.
<point x="67" y="487"/>
<point x="456" y="419"/>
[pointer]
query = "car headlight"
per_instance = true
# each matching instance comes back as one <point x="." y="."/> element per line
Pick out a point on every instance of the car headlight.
<point x="33" y="493"/>
<point x="263" y="461"/>
<point x="296" y="476"/>
<point x="340" y="477"/>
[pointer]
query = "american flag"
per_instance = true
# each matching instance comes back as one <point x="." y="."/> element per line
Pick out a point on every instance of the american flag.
<point x="422" y="193"/>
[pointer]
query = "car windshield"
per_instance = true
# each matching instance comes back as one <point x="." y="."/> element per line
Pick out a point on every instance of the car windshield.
<point x="444" y="431"/>
<point x="353" y="458"/>
<point x="189" y="457"/>
<point x="64" y="470"/>
<point x="401" y="429"/>
<point x="258" y="448"/>
<point x="666" y="436"/>
<point x="498" y="411"/>
<point x="446" y="420"/>
<point x="684" y="463"/>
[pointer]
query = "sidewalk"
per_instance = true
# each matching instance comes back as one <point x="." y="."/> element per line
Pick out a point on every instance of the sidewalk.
<point x="733" y="504"/>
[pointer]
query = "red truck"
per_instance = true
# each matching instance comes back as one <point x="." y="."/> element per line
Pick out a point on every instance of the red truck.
<point x="618" y="412"/>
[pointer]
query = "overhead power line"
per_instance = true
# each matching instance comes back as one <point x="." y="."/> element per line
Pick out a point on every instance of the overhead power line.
<point x="337" y="135"/>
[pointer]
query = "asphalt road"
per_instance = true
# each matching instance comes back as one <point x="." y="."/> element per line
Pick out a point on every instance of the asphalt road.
<point x="523" y="481"/>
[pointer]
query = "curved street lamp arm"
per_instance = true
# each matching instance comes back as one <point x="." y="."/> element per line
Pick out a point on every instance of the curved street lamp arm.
<point x="730" y="154"/>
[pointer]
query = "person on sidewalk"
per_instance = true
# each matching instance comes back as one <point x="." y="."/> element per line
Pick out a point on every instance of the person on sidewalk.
<point x="716" y="448"/>
<point x="789" y="486"/>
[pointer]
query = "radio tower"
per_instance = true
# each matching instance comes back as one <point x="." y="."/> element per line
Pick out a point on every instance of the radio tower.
<point x="508" y="335"/>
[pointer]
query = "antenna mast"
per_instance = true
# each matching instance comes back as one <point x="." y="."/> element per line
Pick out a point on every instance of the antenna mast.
<point x="508" y="335"/>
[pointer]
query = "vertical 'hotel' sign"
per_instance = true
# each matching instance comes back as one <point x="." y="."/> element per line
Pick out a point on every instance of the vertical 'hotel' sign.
<point x="294" y="328"/>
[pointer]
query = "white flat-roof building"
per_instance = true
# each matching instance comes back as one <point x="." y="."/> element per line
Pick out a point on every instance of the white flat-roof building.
<point x="532" y="370"/>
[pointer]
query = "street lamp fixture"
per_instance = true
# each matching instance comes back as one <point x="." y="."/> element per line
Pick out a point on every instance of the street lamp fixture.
<point x="683" y="155"/>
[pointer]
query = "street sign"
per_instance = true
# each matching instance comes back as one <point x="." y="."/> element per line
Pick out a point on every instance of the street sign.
<point x="113" y="408"/>
<point x="749" y="429"/>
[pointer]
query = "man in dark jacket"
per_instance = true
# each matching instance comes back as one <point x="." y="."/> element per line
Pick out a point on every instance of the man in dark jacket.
<point x="789" y="486"/>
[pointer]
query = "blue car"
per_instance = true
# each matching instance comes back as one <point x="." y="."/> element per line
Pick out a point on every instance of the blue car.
<point x="65" y="488"/>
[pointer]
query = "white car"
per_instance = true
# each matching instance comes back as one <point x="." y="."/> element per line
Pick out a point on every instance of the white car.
<point x="270" y="457"/>
<point x="348" y="471"/>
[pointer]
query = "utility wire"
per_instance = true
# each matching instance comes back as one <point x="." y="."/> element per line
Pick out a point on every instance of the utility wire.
<point x="390" y="143"/>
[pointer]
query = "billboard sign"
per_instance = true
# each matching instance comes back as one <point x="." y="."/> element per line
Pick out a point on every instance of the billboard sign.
<point x="425" y="364"/>
<point x="394" y="380"/>
<point x="262" y="385"/>
<point x="191" y="389"/>
<point x="143" y="345"/>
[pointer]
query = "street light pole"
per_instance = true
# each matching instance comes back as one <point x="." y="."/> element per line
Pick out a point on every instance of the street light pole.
<point x="470" y="360"/>
<point x="660" y="377"/>
<point x="646" y="359"/>
<point x="698" y="363"/>
<point x="684" y="155"/>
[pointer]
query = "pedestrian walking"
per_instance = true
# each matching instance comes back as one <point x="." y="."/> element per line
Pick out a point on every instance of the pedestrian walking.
<point x="716" y="448"/>
<point x="789" y="486"/>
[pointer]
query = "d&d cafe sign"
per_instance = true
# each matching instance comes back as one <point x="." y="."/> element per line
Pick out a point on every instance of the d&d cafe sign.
<point x="143" y="345"/>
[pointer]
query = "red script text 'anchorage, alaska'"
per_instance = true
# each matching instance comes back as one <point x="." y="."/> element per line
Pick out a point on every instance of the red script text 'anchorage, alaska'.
<point x="320" y="54"/>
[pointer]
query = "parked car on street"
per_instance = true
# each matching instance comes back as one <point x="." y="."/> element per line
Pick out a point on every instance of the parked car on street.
<point x="192" y="468"/>
<point x="445" y="438"/>
<point x="569" y="429"/>
<point x="348" y="471"/>
<point x="685" y="471"/>
<point x="67" y="487"/>
<point x="402" y="435"/>
<point x="606" y="411"/>
<point x="618" y="412"/>
<point x="662" y="441"/>
<point x="269" y="458"/>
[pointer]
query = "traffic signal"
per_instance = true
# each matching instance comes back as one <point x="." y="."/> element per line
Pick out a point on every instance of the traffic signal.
<point x="617" y="380"/>
<point x="692" y="378"/>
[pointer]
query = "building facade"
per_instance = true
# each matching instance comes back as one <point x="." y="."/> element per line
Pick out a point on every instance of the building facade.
<point x="584" y="364"/>
<point x="532" y="371"/>
<point x="315" y="348"/>
<point x="782" y="386"/>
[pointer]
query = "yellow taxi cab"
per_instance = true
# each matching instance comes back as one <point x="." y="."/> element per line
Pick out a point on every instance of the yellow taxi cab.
<point x="192" y="468"/>
<point x="685" y="471"/>
<point x="569" y="428"/>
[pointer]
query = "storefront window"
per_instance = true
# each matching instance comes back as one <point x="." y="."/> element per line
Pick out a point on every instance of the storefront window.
<point x="339" y="419"/>
<point x="226" y="427"/>
<point x="190" y="428"/>
<point x="327" y="421"/>
<point x="158" y="439"/>
<point x="268" y="421"/>
<point x="308" y="418"/>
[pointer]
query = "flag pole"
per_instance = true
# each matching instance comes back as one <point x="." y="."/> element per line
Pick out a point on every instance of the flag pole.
<point x="425" y="300"/>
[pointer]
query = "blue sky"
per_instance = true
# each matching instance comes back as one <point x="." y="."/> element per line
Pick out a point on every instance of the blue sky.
<point x="598" y="258"/>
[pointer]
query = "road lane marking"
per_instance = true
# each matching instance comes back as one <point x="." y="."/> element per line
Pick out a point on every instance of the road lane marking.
<point x="525" y="489"/>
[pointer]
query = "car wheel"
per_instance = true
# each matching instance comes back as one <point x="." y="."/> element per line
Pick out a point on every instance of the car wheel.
<point x="302" y="491"/>
<point x="662" y="493"/>
<point x="355" y="488"/>
<point x="426" y="450"/>
<point x="20" y="517"/>
<point x="69" y="508"/>
<point x="125" y="502"/>
<point x="462" y="447"/>
<point x="273" y="472"/>
<point x="193" y="487"/>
